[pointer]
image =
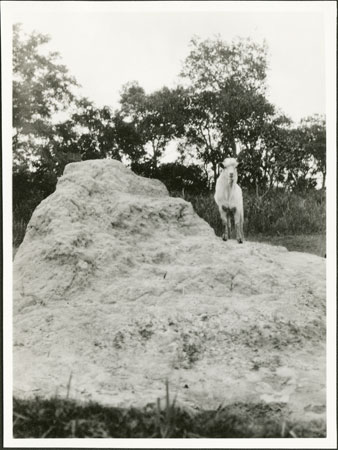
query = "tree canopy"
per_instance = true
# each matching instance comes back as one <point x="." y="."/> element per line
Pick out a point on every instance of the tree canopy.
<point x="212" y="63"/>
<point x="227" y="97"/>
<point x="42" y="87"/>
<point x="157" y="118"/>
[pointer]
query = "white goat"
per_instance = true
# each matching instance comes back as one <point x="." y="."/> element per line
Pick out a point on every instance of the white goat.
<point x="229" y="199"/>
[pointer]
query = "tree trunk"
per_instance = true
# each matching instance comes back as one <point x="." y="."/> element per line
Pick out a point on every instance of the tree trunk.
<point x="154" y="158"/>
<point x="214" y="169"/>
<point x="324" y="179"/>
<point x="257" y="193"/>
<point x="233" y="147"/>
<point x="154" y="162"/>
<point x="207" y="176"/>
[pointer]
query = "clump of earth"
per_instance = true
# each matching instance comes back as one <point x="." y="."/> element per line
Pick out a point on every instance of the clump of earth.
<point x="119" y="287"/>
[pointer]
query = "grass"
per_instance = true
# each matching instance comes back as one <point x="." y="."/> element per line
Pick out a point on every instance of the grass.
<point x="295" y="221"/>
<point x="307" y="243"/>
<point x="19" y="230"/>
<point x="276" y="214"/>
<point x="65" y="418"/>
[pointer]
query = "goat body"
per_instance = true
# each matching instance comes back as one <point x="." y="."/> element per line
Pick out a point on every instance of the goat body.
<point x="229" y="199"/>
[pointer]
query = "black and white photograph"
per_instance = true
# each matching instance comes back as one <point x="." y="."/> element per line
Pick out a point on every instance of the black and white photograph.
<point x="169" y="224"/>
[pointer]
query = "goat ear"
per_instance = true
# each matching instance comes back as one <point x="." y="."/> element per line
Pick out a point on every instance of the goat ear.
<point x="221" y="165"/>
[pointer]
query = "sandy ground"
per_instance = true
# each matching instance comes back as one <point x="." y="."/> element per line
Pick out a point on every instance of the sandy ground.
<point x="118" y="287"/>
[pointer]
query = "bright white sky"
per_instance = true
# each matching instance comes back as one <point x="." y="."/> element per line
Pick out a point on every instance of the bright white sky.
<point x="104" y="48"/>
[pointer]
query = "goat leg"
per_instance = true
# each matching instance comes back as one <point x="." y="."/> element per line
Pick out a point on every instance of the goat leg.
<point x="225" y="234"/>
<point x="228" y="219"/>
<point x="238" y="223"/>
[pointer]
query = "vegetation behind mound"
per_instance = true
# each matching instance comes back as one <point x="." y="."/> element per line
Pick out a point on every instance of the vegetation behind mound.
<point x="273" y="218"/>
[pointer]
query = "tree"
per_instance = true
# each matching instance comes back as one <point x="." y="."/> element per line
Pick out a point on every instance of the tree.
<point x="314" y="138"/>
<point x="41" y="88"/>
<point x="295" y="150"/>
<point x="129" y="140"/>
<point x="216" y="122"/>
<point x="263" y="164"/>
<point x="89" y="133"/>
<point x="227" y="102"/>
<point x="212" y="63"/>
<point x="280" y="159"/>
<point x="155" y="118"/>
<point x="43" y="143"/>
<point x="96" y="131"/>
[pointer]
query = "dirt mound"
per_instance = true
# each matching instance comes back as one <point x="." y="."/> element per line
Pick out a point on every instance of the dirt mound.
<point x="118" y="286"/>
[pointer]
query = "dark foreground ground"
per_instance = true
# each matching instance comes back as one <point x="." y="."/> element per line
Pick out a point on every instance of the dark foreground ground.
<point x="62" y="418"/>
